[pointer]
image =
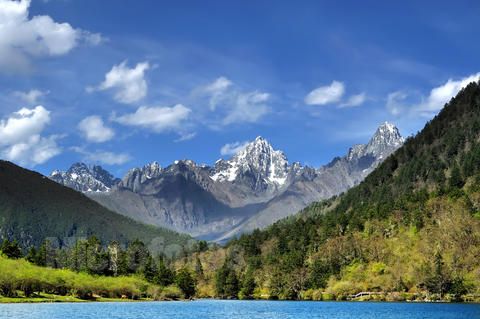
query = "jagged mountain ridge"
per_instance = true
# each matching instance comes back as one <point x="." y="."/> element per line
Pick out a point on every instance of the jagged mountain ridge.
<point x="253" y="189"/>
<point x="85" y="178"/>
<point x="258" y="162"/>
<point x="34" y="208"/>
<point x="309" y="185"/>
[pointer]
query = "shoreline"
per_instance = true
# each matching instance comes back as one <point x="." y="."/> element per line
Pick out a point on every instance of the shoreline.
<point x="70" y="299"/>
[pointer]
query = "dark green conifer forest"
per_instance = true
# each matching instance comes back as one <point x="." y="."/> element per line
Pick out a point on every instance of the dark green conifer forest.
<point x="411" y="230"/>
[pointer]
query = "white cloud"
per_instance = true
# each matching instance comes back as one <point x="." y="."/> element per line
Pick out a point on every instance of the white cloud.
<point x="30" y="97"/>
<point x="103" y="157"/>
<point x="414" y="104"/>
<point x="233" y="148"/>
<point x="128" y="84"/>
<point x="22" y="37"/>
<point x="93" y="38"/>
<point x="21" y="140"/>
<point x="94" y="130"/>
<point x="23" y="124"/>
<point x="216" y="90"/>
<point x="157" y="119"/>
<point x="355" y="100"/>
<point x="232" y="105"/>
<point x="441" y="95"/>
<point x="248" y="107"/>
<point x="186" y="136"/>
<point x="33" y="151"/>
<point x="326" y="94"/>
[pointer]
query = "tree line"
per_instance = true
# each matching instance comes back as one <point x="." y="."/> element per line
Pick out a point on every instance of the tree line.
<point x="91" y="257"/>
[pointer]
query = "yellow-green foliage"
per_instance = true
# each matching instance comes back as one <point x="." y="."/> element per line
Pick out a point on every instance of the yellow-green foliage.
<point x="165" y="293"/>
<point x="389" y="259"/>
<point x="410" y="230"/>
<point x="211" y="260"/>
<point x="407" y="256"/>
<point x="20" y="275"/>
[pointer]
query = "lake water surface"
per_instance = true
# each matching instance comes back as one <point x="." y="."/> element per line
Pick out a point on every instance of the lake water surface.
<point x="213" y="309"/>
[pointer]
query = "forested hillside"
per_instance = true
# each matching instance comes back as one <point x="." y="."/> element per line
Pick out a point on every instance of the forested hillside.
<point x="411" y="230"/>
<point x="34" y="208"/>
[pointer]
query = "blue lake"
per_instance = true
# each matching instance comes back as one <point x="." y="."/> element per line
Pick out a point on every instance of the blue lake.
<point x="212" y="309"/>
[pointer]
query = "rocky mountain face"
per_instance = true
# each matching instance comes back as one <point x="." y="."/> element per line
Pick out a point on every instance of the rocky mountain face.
<point x="138" y="176"/>
<point x="85" y="178"/>
<point x="253" y="189"/>
<point x="259" y="166"/>
<point x="307" y="184"/>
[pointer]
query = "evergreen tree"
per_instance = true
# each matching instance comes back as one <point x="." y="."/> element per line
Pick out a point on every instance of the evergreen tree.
<point x="97" y="259"/>
<point x="42" y="255"/>
<point x="149" y="269"/>
<point x="248" y="285"/>
<point x="137" y="255"/>
<point x="32" y="255"/>
<point x="122" y="267"/>
<point x="185" y="282"/>
<point x="231" y="285"/>
<point x="165" y="275"/>
<point x="11" y="249"/>
<point x="456" y="180"/>
<point x="319" y="274"/>
<point x="201" y="246"/>
<point x="226" y="282"/>
<point x="439" y="280"/>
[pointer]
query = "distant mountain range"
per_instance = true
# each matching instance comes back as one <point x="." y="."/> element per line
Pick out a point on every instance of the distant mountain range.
<point x="253" y="189"/>
<point x="33" y="209"/>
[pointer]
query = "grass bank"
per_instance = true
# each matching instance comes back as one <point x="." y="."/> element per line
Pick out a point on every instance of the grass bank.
<point x="21" y="281"/>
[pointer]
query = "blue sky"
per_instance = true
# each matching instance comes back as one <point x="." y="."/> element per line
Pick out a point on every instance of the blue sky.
<point x="123" y="83"/>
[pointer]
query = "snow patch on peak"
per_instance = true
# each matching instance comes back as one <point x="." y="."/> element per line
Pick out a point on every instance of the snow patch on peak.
<point x="386" y="140"/>
<point x="389" y="127"/>
<point x="258" y="158"/>
<point x="137" y="176"/>
<point x="356" y="151"/>
<point x="84" y="178"/>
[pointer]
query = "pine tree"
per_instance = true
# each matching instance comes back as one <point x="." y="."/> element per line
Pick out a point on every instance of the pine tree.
<point x="456" y="180"/>
<point x="439" y="281"/>
<point x="149" y="269"/>
<point x="231" y="285"/>
<point x="137" y="255"/>
<point x="226" y="282"/>
<point x="11" y="249"/>
<point x="185" y="282"/>
<point x="165" y="276"/>
<point x="32" y="255"/>
<point x="248" y="285"/>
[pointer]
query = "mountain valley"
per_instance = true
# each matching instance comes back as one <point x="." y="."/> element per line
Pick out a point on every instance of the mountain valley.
<point x="253" y="189"/>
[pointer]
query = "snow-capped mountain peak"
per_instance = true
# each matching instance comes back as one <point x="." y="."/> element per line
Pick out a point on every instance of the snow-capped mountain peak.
<point x="152" y="169"/>
<point x="259" y="159"/>
<point x="257" y="181"/>
<point x="386" y="138"/>
<point x="84" y="178"/>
